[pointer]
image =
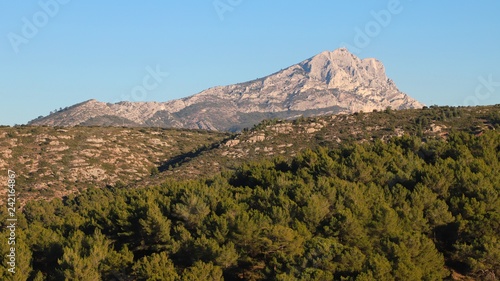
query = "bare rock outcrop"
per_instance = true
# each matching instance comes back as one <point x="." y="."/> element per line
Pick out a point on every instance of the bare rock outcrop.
<point x="330" y="82"/>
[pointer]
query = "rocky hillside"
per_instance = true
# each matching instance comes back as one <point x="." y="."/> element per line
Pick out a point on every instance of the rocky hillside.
<point x="53" y="162"/>
<point x="58" y="161"/>
<point x="285" y="139"/>
<point x="330" y="82"/>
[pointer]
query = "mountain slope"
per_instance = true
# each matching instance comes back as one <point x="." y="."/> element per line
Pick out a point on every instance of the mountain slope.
<point x="54" y="162"/>
<point x="285" y="139"/>
<point x="330" y="82"/>
<point x="427" y="200"/>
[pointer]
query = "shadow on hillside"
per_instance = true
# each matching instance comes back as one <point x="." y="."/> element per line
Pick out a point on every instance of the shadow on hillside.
<point x="186" y="157"/>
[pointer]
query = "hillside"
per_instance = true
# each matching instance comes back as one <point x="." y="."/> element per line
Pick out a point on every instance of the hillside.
<point x="328" y="83"/>
<point x="53" y="162"/>
<point x="347" y="200"/>
<point x="285" y="139"/>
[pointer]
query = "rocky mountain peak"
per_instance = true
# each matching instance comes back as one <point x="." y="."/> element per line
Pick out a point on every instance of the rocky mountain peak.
<point x="343" y="70"/>
<point x="330" y="82"/>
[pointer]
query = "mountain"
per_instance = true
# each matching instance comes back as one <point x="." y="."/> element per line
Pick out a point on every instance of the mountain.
<point x="330" y="82"/>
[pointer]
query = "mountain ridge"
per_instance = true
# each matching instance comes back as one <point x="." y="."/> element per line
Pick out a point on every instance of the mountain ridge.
<point x="330" y="82"/>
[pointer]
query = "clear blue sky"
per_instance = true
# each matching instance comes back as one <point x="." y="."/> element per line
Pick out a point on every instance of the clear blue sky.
<point x="435" y="51"/>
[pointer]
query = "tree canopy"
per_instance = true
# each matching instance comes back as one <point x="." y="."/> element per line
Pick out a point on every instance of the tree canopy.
<point x="397" y="210"/>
